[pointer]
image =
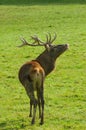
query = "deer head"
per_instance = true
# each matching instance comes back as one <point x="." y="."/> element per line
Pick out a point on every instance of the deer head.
<point x="47" y="44"/>
<point x="52" y="51"/>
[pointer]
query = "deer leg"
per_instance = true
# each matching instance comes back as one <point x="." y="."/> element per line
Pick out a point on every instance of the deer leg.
<point x="30" y="115"/>
<point x="33" y="101"/>
<point x="38" y="96"/>
<point x="34" y="105"/>
<point x="42" y="104"/>
<point x="34" y="111"/>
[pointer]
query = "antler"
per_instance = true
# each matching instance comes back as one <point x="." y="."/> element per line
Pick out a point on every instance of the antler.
<point x="55" y="36"/>
<point x="48" y="42"/>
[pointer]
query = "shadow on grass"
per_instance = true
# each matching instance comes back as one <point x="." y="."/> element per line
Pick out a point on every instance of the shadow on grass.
<point x="40" y="2"/>
<point x="13" y="125"/>
<point x="3" y="125"/>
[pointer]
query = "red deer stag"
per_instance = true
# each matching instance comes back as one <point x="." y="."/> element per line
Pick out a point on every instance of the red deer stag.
<point x="33" y="73"/>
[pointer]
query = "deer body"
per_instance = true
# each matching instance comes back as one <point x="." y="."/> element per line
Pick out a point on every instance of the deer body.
<point x="32" y="74"/>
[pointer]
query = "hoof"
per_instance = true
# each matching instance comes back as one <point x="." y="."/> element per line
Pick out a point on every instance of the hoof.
<point x="30" y="115"/>
<point x="41" y="123"/>
<point x="39" y="116"/>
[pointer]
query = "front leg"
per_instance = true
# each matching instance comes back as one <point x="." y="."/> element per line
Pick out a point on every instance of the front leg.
<point x="42" y="105"/>
<point x="39" y="102"/>
<point x="30" y="115"/>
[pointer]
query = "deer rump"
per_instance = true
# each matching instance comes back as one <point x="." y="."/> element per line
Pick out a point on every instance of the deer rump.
<point x="31" y="72"/>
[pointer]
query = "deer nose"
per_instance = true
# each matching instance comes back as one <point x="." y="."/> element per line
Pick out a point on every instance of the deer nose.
<point x="67" y="46"/>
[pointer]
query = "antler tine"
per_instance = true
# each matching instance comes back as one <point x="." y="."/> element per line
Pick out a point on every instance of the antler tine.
<point x="38" y="40"/>
<point x="35" y="38"/>
<point x="24" y="42"/>
<point x="49" y="38"/>
<point x="55" y="36"/>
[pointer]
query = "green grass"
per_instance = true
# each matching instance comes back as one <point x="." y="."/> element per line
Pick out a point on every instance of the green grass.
<point x="65" y="87"/>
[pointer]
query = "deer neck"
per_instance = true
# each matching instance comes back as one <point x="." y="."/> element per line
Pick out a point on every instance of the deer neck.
<point x="46" y="62"/>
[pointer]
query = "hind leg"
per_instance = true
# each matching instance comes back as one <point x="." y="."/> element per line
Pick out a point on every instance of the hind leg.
<point x="34" y="111"/>
<point x="33" y="101"/>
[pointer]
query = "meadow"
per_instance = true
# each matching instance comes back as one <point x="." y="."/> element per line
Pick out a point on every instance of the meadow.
<point x="65" y="87"/>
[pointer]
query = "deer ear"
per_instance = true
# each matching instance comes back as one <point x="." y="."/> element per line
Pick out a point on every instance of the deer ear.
<point x="47" y="47"/>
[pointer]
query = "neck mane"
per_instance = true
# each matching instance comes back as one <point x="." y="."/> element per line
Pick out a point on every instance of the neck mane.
<point x="46" y="62"/>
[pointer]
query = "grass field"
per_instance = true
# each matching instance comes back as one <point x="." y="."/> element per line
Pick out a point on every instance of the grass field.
<point x="65" y="87"/>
